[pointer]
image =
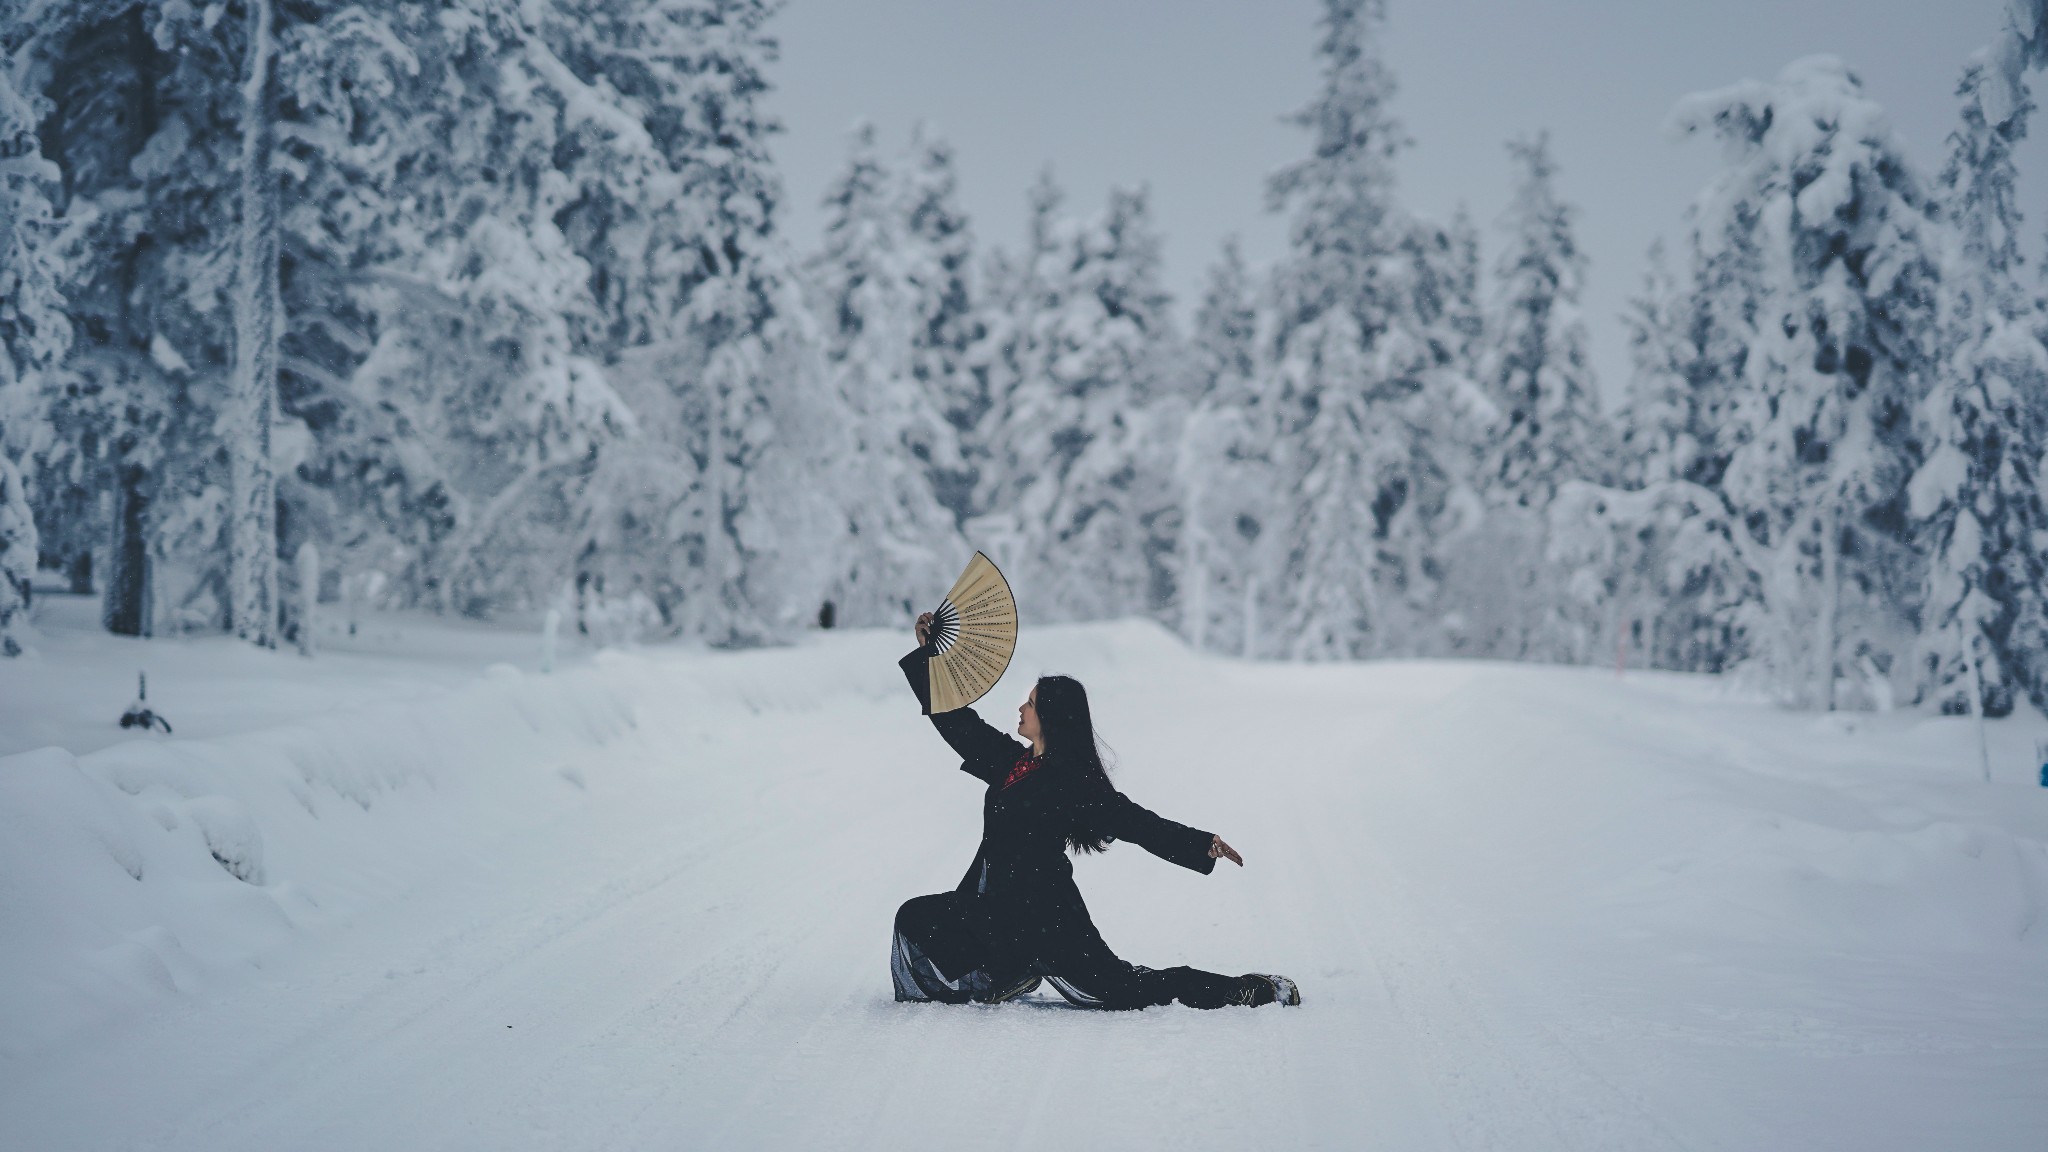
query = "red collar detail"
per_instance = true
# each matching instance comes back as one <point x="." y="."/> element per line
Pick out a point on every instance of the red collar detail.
<point x="1024" y="766"/>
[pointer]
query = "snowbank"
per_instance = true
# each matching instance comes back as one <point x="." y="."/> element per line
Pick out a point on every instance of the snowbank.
<point x="169" y="864"/>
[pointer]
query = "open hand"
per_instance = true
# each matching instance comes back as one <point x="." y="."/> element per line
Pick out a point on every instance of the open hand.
<point x="924" y="630"/>
<point x="1218" y="850"/>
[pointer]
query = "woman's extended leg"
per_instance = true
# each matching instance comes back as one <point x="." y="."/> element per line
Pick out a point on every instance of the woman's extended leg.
<point x="1140" y="987"/>
<point x="1091" y="976"/>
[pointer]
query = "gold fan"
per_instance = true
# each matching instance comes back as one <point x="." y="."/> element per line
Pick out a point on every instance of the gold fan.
<point x="974" y="630"/>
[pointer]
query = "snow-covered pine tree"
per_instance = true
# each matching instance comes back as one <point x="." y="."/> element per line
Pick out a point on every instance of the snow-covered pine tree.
<point x="1463" y="316"/>
<point x="1142" y="344"/>
<point x="1226" y="469"/>
<point x="1978" y="493"/>
<point x="1658" y="565"/>
<point x="991" y="362"/>
<point x="34" y="332"/>
<point x="144" y="108"/>
<point x="163" y="120"/>
<point x="1818" y="255"/>
<point x="1663" y="570"/>
<point x="1535" y="364"/>
<point x="938" y="254"/>
<point x="34" y="335"/>
<point x="1373" y="406"/>
<point x="1078" y="465"/>
<point x="1012" y="442"/>
<point x="1673" y="584"/>
<point x="147" y="105"/>
<point x="453" y="314"/>
<point x="599" y="233"/>
<point x="729" y="385"/>
<point x="1690" y="342"/>
<point x="1452" y="322"/>
<point x="624" y="78"/>
<point x="870" y="308"/>
<point x="1011" y="445"/>
<point x="436" y="299"/>
<point x="1332" y="303"/>
<point x="1655" y="420"/>
<point x="1473" y="551"/>
<point x="350" y="121"/>
<point x="495" y="226"/>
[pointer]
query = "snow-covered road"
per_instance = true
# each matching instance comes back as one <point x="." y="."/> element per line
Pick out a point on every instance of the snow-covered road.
<point x="1528" y="909"/>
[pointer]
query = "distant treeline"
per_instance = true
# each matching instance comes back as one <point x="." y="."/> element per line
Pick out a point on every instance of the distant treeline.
<point x="486" y="302"/>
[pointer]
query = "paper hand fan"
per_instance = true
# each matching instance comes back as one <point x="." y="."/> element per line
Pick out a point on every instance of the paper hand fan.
<point x="974" y="630"/>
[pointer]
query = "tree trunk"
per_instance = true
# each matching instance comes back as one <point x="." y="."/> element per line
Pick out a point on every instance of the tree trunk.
<point x="1976" y="675"/>
<point x="308" y="562"/>
<point x="125" y="609"/>
<point x="252" y="400"/>
<point x="1194" y="542"/>
<point x="1830" y="602"/>
<point x="1251" y="616"/>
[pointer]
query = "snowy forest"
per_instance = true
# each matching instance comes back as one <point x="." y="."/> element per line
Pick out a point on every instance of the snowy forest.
<point x="483" y="307"/>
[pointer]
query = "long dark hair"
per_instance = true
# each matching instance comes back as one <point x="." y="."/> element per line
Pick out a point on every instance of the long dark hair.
<point x="1073" y="750"/>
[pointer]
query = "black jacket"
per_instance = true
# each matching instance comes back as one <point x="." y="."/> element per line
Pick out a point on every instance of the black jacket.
<point x="1020" y="889"/>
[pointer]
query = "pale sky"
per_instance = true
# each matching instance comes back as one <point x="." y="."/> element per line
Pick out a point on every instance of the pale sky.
<point x="1189" y="96"/>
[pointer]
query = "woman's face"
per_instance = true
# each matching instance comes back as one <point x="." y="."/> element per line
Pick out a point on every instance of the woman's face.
<point x="1027" y="717"/>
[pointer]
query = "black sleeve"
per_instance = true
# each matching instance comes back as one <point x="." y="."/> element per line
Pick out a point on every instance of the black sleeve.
<point x="985" y="753"/>
<point x="1171" y="842"/>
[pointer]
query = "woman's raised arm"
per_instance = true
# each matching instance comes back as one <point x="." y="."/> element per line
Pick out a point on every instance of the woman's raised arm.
<point x="985" y="753"/>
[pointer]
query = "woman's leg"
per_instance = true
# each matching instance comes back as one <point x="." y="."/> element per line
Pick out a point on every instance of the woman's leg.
<point x="934" y="955"/>
<point x="1135" y="986"/>
<point x="1196" y="988"/>
<point x="1089" y="975"/>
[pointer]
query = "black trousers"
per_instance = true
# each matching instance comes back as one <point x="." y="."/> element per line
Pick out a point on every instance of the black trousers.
<point x="936" y="955"/>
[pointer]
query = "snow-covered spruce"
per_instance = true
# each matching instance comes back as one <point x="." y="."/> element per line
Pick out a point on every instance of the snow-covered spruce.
<point x="1380" y="421"/>
<point x="1548" y="431"/>
<point x="1535" y="364"/>
<point x="34" y="335"/>
<point x="1984" y="626"/>
<point x="871" y="300"/>
<point x="937" y="263"/>
<point x="1816" y="257"/>
<point x="1226" y="471"/>
<point x="1077" y="447"/>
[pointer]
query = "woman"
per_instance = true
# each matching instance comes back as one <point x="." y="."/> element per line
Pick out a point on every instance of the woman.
<point x="1017" y="917"/>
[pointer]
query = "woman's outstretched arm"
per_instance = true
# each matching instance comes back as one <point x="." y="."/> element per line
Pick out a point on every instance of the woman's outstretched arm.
<point x="1171" y="842"/>
<point x="985" y="753"/>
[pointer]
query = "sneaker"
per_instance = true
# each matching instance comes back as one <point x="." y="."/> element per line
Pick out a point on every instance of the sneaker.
<point x="1259" y="988"/>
